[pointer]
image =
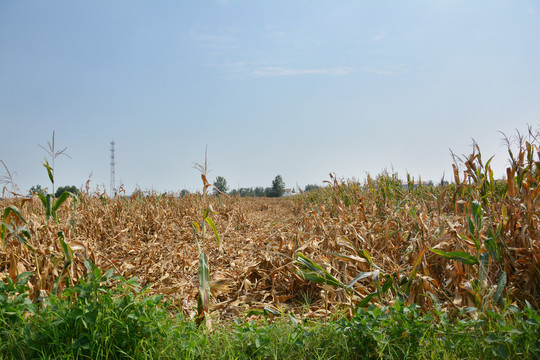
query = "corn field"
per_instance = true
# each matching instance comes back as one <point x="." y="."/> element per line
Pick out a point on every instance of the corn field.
<point x="472" y="243"/>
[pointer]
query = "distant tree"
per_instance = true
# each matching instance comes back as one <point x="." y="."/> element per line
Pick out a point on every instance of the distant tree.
<point x="259" y="191"/>
<point x="184" y="192"/>
<point x="311" y="187"/>
<point x="72" y="189"/>
<point x="278" y="187"/>
<point x="220" y="184"/>
<point x="244" y="192"/>
<point x="37" y="189"/>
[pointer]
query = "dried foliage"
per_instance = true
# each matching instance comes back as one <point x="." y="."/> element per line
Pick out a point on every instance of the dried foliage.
<point x="471" y="243"/>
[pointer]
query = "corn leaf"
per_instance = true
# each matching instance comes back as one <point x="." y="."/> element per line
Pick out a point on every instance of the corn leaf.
<point x="367" y="299"/>
<point x="65" y="195"/>
<point x="314" y="272"/>
<point x="204" y="285"/>
<point x="213" y="226"/>
<point x="501" y="284"/>
<point x="194" y="226"/>
<point x="3" y="232"/>
<point x="47" y="201"/>
<point x="483" y="266"/>
<point x="417" y="263"/>
<point x="493" y="248"/>
<point x="68" y="258"/>
<point x="66" y="249"/>
<point x="49" y="171"/>
<point x="463" y="257"/>
<point x="358" y="277"/>
<point x="471" y="226"/>
<point x="12" y="210"/>
<point x="366" y="256"/>
<point x="256" y="312"/>
<point x="477" y="214"/>
<point x="271" y="310"/>
<point x="23" y="234"/>
<point x="387" y="284"/>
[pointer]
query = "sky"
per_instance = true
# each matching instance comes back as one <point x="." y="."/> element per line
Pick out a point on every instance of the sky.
<point x="296" y="88"/>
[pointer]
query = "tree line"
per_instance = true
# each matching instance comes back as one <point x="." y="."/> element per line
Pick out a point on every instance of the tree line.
<point x="37" y="189"/>
<point x="277" y="189"/>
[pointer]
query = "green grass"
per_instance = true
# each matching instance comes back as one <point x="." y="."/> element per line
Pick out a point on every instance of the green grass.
<point x="107" y="317"/>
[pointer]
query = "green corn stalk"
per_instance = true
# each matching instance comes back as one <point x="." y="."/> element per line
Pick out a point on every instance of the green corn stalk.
<point x="68" y="261"/>
<point x="53" y="153"/>
<point x="203" y="301"/>
<point x="482" y="259"/>
<point x="50" y="204"/>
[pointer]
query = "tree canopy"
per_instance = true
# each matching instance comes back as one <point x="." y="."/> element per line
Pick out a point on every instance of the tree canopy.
<point x="311" y="187"/>
<point x="220" y="185"/>
<point x="72" y="189"/>
<point x="278" y="187"/>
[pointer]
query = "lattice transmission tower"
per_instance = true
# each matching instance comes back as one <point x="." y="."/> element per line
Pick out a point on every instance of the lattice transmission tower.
<point x="113" y="186"/>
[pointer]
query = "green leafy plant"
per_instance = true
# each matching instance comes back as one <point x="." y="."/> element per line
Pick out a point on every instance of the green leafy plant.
<point x="102" y="316"/>
<point x="14" y="301"/>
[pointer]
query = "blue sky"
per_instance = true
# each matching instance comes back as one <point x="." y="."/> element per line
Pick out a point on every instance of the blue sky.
<point x="297" y="88"/>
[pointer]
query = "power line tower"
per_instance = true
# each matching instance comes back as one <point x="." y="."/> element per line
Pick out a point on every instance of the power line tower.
<point x="113" y="188"/>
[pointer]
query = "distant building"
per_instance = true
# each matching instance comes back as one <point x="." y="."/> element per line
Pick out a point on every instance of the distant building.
<point x="287" y="192"/>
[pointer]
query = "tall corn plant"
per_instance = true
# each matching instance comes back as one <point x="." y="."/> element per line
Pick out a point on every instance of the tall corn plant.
<point x="53" y="153"/>
<point x="50" y="204"/>
<point x="203" y="298"/>
<point x="12" y="224"/>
